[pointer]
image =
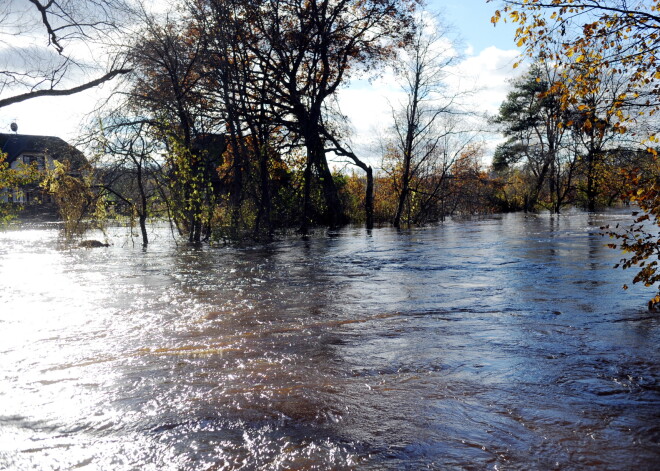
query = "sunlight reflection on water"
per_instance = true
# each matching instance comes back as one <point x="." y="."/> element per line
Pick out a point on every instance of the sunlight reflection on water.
<point x="497" y="342"/>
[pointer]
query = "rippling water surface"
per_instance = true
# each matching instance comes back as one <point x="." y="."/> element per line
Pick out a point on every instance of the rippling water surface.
<point x="499" y="343"/>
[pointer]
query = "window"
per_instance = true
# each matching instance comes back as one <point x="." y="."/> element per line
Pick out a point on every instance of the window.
<point x="39" y="160"/>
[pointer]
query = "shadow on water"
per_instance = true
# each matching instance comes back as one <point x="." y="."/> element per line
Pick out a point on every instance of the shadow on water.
<point x="494" y="343"/>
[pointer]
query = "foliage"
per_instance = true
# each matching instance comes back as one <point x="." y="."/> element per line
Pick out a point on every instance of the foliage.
<point x="254" y="214"/>
<point x="78" y="205"/>
<point x="191" y="189"/>
<point x="642" y="239"/>
<point x="510" y="189"/>
<point x="12" y="180"/>
<point x="352" y="189"/>
<point x="619" y="164"/>
<point x="584" y="37"/>
<point x="385" y="199"/>
<point x="471" y="190"/>
<point x="460" y="188"/>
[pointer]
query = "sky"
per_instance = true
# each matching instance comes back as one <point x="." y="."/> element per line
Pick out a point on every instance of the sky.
<point x="487" y="65"/>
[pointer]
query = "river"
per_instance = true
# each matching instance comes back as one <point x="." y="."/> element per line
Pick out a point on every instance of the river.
<point x="495" y="343"/>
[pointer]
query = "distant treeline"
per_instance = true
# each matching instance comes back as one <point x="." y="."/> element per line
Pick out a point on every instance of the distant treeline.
<point x="228" y="124"/>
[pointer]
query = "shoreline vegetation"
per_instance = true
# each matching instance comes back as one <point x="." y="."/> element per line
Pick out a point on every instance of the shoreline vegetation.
<point x="459" y="200"/>
<point x="48" y="217"/>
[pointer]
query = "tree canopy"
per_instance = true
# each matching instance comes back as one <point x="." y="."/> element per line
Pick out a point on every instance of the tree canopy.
<point x="585" y="37"/>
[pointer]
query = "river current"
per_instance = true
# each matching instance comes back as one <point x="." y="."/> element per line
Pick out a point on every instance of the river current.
<point x="502" y="343"/>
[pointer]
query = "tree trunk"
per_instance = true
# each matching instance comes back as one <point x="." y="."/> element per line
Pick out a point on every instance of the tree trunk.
<point x="304" y="226"/>
<point x="400" y="206"/>
<point x="591" y="182"/>
<point x="265" y="206"/>
<point x="407" y="157"/>
<point x="195" y="235"/>
<point x="316" y="154"/>
<point x="369" y="198"/>
<point x="335" y="212"/>
<point x="143" y="229"/>
<point x="143" y="202"/>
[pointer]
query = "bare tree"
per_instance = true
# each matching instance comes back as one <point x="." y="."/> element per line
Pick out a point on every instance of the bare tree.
<point x="133" y="173"/>
<point x="419" y="139"/>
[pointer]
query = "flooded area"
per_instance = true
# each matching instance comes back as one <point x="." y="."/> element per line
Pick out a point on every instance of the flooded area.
<point x="497" y="343"/>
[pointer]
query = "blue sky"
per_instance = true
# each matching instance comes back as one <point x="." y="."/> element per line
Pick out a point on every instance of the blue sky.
<point x="471" y="18"/>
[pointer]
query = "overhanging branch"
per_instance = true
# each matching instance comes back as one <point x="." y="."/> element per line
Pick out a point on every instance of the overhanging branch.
<point x="63" y="92"/>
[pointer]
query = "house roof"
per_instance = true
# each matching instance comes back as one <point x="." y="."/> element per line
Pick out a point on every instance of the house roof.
<point x="15" y="145"/>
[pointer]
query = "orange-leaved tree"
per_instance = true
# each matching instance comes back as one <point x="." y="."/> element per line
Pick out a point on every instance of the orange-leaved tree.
<point x="587" y="36"/>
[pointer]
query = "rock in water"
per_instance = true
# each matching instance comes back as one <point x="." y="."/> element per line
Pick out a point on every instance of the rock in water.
<point x="90" y="244"/>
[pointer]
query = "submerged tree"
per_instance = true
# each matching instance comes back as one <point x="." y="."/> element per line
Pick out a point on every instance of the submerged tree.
<point x="166" y="89"/>
<point x="238" y="90"/>
<point x="133" y="175"/>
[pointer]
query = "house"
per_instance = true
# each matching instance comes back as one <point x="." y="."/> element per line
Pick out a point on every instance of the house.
<point x="22" y="149"/>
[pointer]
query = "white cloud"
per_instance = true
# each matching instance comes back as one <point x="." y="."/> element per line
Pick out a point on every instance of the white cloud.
<point x="368" y="105"/>
<point x="487" y="75"/>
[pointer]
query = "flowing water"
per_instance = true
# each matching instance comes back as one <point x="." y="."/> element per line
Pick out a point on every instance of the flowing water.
<point x="498" y="343"/>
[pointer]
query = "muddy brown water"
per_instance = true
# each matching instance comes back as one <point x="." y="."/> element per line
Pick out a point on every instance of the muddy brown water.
<point x="497" y="343"/>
